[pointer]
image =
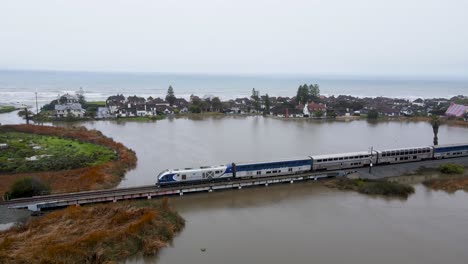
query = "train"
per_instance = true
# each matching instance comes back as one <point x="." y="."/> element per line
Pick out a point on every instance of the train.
<point x="314" y="163"/>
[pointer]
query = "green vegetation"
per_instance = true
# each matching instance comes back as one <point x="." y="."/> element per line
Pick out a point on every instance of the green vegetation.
<point x="170" y="97"/>
<point x="27" y="187"/>
<point x="91" y="107"/>
<point x="32" y="153"/>
<point x="306" y="93"/>
<point x="373" y="114"/>
<point x="106" y="233"/>
<point x="255" y="99"/>
<point x="6" y="109"/>
<point x="372" y="187"/>
<point x="451" y="168"/>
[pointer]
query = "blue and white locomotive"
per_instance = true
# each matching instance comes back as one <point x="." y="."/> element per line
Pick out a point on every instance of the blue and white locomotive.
<point x="309" y="164"/>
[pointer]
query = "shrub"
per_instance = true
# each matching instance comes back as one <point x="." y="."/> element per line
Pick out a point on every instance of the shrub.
<point x="451" y="168"/>
<point x="28" y="187"/>
<point x="373" y="114"/>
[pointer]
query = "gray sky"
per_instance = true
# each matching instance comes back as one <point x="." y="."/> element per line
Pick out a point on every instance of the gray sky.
<point x="371" y="37"/>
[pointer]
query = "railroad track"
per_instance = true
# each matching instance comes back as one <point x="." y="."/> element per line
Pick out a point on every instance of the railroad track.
<point x="138" y="192"/>
<point x="79" y="195"/>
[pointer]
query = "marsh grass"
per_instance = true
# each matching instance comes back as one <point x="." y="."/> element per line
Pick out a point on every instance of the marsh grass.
<point x="92" y="234"/>
<point x="372" y="187"/>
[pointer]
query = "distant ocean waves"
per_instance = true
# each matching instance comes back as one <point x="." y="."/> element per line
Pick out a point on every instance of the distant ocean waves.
<point x="19" y="87"/>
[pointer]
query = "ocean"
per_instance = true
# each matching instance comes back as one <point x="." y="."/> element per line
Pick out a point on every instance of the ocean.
<point x="19" y="87"/>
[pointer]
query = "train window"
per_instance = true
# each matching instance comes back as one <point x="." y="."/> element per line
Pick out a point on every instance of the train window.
<point x="184" y="177"/>
<point x="268" y="172"/>
<point x="346" y="158"/>
<point x="290" y="169"/>
<point x="259" y="172"/>
<point x="341" y="158"/>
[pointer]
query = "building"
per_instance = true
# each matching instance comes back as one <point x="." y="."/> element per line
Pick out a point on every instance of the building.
<point x="456" y="110"/>
<point x="69" y="108"/>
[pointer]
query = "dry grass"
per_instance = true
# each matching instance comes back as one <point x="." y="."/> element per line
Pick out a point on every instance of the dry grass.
<point x="92" y="234"/>
<point x="102" y="176"/>
<point x="448" y="184"/>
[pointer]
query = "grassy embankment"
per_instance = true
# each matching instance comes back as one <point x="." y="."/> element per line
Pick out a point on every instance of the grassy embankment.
<point x="32" y="153"/>
<point x="372" y="187"/>
<point x="453" y="179"/>
<point x="92" y="234"/>
<point x="99" y="170"/>
<point x="6" y="109"/>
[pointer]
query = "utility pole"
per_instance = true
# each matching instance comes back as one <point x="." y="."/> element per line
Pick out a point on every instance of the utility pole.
<point x="371" y="156"/>
<point x="37" y="105"/>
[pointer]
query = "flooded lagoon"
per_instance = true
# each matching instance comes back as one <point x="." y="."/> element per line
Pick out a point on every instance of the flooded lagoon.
<point x="301" y="222"/>
<point x="184" y="142"/>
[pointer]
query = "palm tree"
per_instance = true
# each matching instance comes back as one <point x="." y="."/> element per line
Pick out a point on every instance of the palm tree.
<point x="435" y="122"/>
<point x="26" y="114"/>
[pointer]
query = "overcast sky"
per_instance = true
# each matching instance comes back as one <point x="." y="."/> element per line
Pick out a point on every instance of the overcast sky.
<point x="370" y="37"/>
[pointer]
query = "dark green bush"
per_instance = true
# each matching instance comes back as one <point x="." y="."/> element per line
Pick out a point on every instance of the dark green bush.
<point x="451" y="168"/>
<point x="27" y="187"/>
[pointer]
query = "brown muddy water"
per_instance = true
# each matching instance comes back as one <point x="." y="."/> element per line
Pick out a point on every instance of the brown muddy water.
<point x="309" y="223"/>
<point x="300" y="222"/>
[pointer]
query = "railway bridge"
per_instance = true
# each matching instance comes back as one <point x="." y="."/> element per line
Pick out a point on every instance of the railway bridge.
<point x="38" y="203"/>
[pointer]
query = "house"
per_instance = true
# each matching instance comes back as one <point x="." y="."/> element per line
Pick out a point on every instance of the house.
<point x="418" y="102"/>
<point x="406" y="111"/>
<point x="69" y="108"/>
<point x="312" y="106"/>
<point x="163" y="109"/>
<point x="387" y="111"/>
<point x="135" y="100"/>
<point x="286" y="111"/>
<point x="181" y="104"/>
<point x="158" y="101"/>
<point x="456" y="110"/>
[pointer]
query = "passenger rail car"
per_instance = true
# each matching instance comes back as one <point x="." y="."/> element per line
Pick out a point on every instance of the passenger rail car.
<point x="450" y="151"/>
<point x="273" y="168"/>
<point x="342" y="161"/>
<point x="404" y="155"/>
<point x="314" y="163"/>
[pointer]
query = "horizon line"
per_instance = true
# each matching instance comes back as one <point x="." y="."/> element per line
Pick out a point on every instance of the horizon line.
<point x="343" y="76"/>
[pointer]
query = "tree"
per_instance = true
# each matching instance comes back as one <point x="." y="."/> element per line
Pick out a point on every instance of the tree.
<point x="170" y="97"/>
<point x="50" y="106"/>
<point x="27" y="187"/>
<point x="435" y="122"/>
<point x="216" y="104"/>
<point x="373" y="114"/>
<point x="80" y="96"/>
<point x="267" y="104"/>
<point x="302" y="96"/>
<point x="26" y="114"/>
<point x="256" y="99"/>
<point x="318" y="113"/>
<point x="314" y="91"/>
<point x="62" y="100"/>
